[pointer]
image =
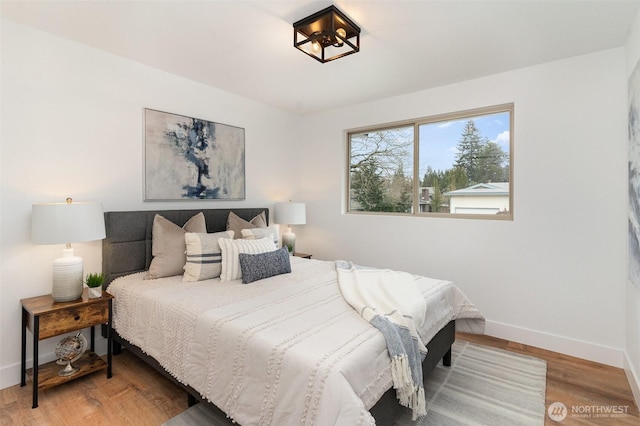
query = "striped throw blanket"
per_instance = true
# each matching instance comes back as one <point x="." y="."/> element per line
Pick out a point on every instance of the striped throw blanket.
<point x="391" y="302"/>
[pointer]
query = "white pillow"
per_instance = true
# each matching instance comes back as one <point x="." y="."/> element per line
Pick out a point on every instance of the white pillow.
<point x="232" y="248"/>
<point x="204" y="259"/>
<point x="258" y="233"/>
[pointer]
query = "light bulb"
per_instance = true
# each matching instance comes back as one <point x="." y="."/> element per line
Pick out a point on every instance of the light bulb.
<point x="315" y="47"/>
<point x="342" y="33"/>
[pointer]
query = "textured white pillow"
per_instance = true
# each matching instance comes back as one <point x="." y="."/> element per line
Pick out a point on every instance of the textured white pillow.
<point x="232" y="248"/>
<point x="204" y="259"/>
<point x="258" y="233"/>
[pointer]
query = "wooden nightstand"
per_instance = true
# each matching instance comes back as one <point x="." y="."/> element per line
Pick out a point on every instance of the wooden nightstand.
<point x="47" y="318"/>
<point x="303" y="255"/>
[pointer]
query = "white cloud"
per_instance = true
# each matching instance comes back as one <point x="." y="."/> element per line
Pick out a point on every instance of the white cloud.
<point x="448" y="124"/>
<point x="502" y="138"/>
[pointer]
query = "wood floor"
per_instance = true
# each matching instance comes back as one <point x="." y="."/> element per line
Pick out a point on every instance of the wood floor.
<point x="138" y="395"/>
<point x="577" y="383"/>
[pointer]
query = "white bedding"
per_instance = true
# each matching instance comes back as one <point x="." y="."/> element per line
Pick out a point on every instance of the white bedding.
<point x="284" y="350"/>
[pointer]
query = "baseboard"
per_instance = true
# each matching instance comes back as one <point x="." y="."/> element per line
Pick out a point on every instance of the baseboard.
<point x="10" y="374"/>
<point x="565" y="345"/>
<point x="633" y="379"/>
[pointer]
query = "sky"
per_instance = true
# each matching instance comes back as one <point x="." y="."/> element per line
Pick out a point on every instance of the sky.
<point x="438" y="141"/>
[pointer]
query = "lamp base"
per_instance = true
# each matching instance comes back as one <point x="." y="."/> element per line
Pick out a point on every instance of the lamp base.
<point x="67" y="277"/>
<point x="289" y="241"/>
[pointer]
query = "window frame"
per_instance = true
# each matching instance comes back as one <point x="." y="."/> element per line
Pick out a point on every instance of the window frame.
<point x="416" y="123"/>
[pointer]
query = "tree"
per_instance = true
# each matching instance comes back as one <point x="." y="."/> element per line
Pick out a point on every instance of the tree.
<point x="491" y="164"/>
<point x="430" y="177"/>
<point x="456" y="178"/>
<point x="469" y="148"/>
<point x="481" y="159"/>
<point x="391" y="148"/>
<point x="399" y="193"/>
<point x="378" y="159"/>
<point x="367" y="185"/>
<point x="437" y="199"/>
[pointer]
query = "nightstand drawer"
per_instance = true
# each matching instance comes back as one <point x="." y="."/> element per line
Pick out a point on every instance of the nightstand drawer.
<point x="63" y="321"/>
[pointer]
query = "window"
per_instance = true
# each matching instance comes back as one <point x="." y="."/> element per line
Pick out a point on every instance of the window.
<point x="457" y="164"/>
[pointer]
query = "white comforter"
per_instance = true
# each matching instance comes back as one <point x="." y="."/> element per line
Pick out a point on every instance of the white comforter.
<point x="284" y="350"/>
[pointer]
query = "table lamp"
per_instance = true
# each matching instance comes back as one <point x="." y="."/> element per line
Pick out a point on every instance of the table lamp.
<point x="64" y="223"/>
<point x="290" y="214"/>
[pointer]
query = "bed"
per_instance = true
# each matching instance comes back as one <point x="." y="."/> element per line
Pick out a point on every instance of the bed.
<point x="270" y="351"/>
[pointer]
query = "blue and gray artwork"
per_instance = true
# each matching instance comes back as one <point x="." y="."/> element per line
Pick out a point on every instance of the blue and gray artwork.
<point x="634" y="176"/>
<point x="190" y="158"/>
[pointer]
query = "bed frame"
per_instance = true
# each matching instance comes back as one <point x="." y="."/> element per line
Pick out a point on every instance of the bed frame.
<point x="127" y="250"/>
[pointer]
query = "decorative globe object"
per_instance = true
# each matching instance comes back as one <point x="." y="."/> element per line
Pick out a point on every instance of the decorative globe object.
<point x="69" y="350"/>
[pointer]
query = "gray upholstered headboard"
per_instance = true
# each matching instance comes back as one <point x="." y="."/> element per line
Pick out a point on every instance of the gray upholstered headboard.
<point x="127" y="246"/>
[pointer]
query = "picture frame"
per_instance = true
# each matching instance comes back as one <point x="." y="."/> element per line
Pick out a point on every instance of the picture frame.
<point x="634" y="175"/>
<point x="187" y="158"/>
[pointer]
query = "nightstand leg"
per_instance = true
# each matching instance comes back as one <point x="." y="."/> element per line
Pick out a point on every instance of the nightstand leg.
<point x="23" y="356"/>
<point x="36" y="338"/>
<point x="93" y="338"/>
<point x="109" y="340"/>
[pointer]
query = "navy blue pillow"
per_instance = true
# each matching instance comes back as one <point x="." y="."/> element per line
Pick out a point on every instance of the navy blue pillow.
<point x="256" y="267"/>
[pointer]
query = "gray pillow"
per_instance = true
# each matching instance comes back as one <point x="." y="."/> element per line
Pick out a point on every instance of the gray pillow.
<point x="236" y="224"/>
<point x="230" y="250"/>
<point x="256" y="267"/>
<point x="168" y="246"/>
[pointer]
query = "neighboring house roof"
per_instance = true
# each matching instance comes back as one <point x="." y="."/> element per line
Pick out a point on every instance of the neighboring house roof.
<point x="482" y="189"/>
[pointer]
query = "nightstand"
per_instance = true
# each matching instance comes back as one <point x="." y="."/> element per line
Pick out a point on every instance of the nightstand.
<point x="303" y="255"/>
<point x="46" y="318"/>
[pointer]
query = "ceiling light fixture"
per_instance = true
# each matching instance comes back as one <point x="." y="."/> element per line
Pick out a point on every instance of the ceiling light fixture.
<point x="326" y="35"/>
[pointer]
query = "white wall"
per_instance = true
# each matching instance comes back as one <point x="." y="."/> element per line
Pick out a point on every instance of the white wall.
<point x="632" y="344"/>
<point x="554" y="277"/>
<point x="72" y="126"/>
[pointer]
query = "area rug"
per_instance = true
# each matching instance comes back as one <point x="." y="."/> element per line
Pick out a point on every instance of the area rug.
<point x="484" y="386"/>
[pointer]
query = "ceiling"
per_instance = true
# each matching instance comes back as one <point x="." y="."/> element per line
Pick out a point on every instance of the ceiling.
<point x="246" y="47"/>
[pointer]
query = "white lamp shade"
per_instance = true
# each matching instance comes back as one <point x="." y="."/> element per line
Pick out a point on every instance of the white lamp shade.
<point x="62" y="223"/>
<point x="290" y="213"/>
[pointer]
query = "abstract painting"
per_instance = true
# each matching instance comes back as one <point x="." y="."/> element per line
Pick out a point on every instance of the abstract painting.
<point x="634" y="176"/>
<point x="192" y="159"/>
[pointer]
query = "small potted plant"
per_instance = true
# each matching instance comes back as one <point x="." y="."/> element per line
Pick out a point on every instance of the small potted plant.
<point x="94" y="282"/>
